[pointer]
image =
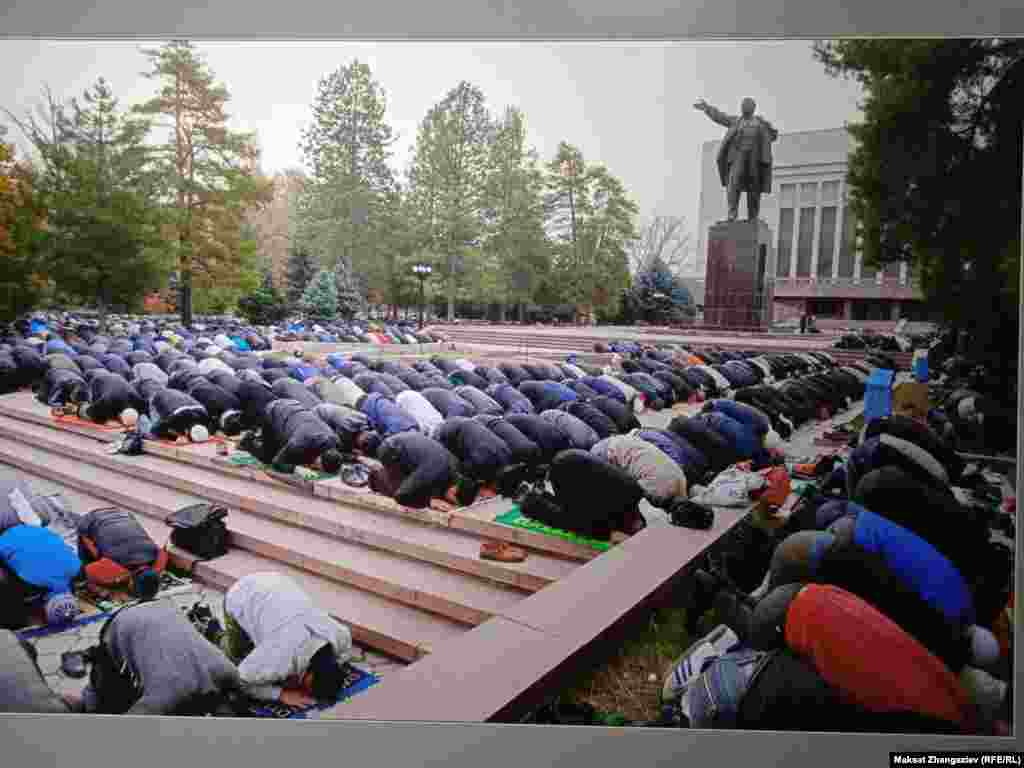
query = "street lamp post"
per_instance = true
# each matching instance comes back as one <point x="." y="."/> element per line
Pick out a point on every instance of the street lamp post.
<point x="422" y="271"/>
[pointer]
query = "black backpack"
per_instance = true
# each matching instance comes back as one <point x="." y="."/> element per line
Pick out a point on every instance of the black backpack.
<point x="200" y="529"/>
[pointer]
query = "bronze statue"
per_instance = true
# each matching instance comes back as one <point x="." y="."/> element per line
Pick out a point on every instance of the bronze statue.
<point x="745" y="157"/>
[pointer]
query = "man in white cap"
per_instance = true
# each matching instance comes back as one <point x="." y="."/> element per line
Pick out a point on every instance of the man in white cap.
<point x="111" y="397"/>
<point x="173" y="414"/>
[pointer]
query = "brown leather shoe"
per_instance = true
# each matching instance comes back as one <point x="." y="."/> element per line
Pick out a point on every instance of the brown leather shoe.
<point x="501" y="552"/>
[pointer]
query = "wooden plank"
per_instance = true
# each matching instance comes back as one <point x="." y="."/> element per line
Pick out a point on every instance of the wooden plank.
<point x="205" y="455"/>
<point x="449" y="548"/>
<point x="503" y="668"/>
<point x="421" y="585"/>
<point x="605" y="590"/>
<point x="385" y="626"/>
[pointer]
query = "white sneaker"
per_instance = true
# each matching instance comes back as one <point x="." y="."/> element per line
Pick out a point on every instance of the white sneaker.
<point x="690" y="665"/>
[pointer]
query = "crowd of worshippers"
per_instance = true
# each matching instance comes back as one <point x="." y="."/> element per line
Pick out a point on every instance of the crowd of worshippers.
<point x="276" y="647"/>
<point x="562" y="438"/>
<point x="883" y="604"/>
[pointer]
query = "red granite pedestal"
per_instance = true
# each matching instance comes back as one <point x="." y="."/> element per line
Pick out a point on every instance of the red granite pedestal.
<point x="738" y="284"/>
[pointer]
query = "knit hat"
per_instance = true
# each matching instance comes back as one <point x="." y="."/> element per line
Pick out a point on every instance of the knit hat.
<point x="129" y="417"/>
<point x="797" y="558"/>
<point x="61" y="608"/>
<point x="199" y="434"/>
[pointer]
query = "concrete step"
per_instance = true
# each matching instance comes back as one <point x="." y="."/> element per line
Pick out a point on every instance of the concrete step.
<point x="25" y="409"/>
<point x="391" y="626"/>
<point x="451" y="549"/>
<point x="421" y="585"/>
<point x="382" y="625"/>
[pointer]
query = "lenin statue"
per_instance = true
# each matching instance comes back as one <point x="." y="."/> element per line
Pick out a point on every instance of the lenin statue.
<point x="745" y="157"/>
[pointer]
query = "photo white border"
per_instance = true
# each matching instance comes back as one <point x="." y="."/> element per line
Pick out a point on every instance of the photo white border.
<point x="86" y="741"/>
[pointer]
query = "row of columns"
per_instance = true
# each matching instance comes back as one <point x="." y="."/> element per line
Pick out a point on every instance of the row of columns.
<point x="837" y="240"/>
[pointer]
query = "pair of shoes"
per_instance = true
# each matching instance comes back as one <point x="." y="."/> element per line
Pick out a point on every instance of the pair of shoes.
<point x="501" y="552"/>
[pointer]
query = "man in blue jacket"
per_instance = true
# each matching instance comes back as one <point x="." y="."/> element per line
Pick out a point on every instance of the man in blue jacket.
<point x="35" y="562"/>
<point x="510" y="398"/>
<point x="385" y="416"/>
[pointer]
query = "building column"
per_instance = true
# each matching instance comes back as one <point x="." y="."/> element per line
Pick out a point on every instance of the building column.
<point x="848" y="309"/>
<point x="816" y="242"/>
<point x="895" y="311"/>
<point x="796" y="231"/>
<point x="903" y="273"/>
<point x="837" y="243"/>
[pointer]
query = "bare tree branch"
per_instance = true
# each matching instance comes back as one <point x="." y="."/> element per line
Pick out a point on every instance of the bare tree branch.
<point x="664" y="238"/>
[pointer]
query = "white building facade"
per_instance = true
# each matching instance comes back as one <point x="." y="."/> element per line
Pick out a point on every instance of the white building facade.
<point x="818" y="268"/>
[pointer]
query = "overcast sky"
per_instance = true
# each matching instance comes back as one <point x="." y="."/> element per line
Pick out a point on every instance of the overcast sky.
<point x="628" y="106"/>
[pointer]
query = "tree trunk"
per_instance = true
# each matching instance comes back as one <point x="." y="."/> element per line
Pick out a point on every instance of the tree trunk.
<point x="185" y="298"/>
<point x="451" y="289"/>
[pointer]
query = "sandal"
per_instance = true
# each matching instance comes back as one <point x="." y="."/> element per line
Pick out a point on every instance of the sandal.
<point x="501" y="552"/>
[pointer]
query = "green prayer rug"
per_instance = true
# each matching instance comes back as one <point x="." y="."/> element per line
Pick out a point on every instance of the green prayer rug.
<point x="516" y="519"/>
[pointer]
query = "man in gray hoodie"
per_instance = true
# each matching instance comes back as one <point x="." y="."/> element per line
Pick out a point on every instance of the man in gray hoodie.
<point x="152" y="661"/>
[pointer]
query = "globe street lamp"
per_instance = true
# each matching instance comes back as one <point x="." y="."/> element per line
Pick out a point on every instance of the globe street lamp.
<point x="422" y="271"/>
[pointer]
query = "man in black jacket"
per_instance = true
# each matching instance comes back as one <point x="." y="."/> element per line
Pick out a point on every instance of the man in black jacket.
<point x="223" y="407"/>
<point x="481" y="452"/>
<point x="295" y="436"/>
<point x="549" y="438"/>
<point x="448" y="404"/>
<point x="592" y="416"/>
<point x="173" y="414"/>
<point x="290" y="389"/>
<point x="61" y="387"/>
<point x="592" y="498"/>
<point x="111" y="397"/>
<point x="416" y="469"/>
<point x="118" y="552"/>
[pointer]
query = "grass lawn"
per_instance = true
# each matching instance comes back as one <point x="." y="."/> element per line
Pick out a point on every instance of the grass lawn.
<point x="624" y="685"/>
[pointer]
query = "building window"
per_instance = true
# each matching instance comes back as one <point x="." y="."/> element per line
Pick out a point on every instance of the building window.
<point x="805" y="243"/>
<point x="826" y="307"/>
<point x="848" y="244"/>
<point x="872" y="310"/>
<point x="785" y="240"/>
<point x="826" y="241"/>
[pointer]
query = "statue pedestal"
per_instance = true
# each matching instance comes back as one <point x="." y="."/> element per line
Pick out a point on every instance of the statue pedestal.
<point x="738" y="287"/>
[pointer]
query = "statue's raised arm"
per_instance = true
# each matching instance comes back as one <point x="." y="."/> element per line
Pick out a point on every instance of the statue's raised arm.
<point x="716" y="115"/>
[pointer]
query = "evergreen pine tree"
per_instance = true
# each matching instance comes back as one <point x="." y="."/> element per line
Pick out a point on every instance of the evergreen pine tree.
<point x="350" y="299"/>
<point x="320" y="299"/>
<point x="301" y="270"/>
